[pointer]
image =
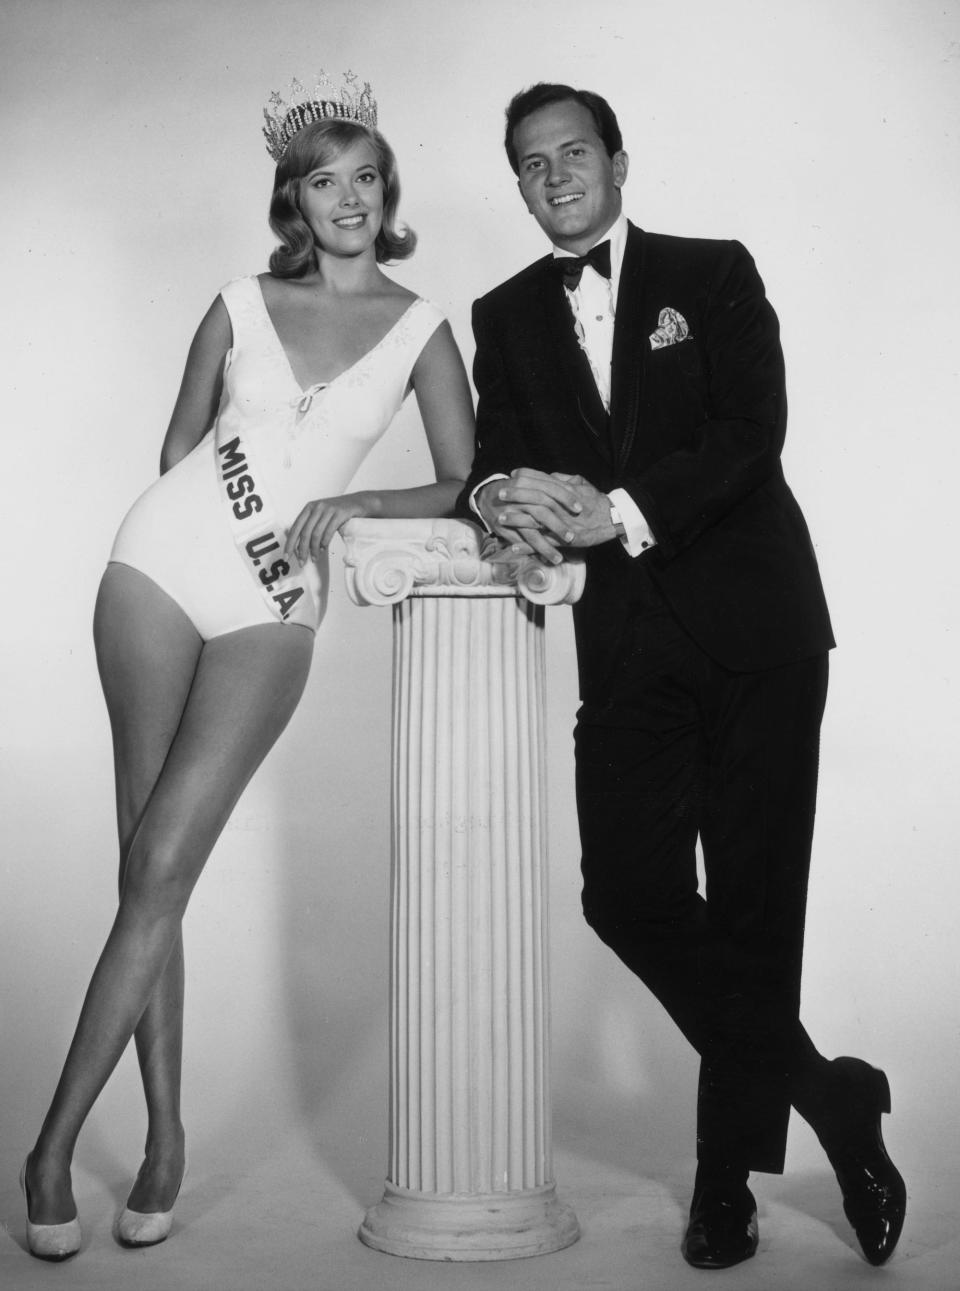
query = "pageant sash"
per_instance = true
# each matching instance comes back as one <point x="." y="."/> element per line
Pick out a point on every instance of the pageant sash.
<point x="258" y="533"/>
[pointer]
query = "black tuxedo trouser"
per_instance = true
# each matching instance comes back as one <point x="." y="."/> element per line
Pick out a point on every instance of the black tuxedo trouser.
<point x="681" y="747"/>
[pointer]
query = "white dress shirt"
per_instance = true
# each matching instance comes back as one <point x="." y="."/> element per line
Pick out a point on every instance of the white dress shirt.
<point x="593" y="303"/>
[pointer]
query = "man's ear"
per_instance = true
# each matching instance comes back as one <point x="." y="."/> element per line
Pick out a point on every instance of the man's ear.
<point x="525" y="202"/>
<point x="621" y="164"/>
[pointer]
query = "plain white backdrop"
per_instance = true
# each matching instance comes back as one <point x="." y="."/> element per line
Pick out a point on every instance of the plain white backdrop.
<point x="824" y="135"/>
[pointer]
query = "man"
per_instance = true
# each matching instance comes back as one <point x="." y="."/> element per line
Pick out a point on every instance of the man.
<point x="631" y="403"/>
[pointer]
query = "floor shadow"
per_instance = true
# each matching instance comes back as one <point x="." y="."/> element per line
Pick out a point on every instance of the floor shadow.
<point x="816" y="1194"/>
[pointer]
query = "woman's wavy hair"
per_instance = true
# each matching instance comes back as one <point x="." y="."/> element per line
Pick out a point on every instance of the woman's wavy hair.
<point x="310" y="148"/>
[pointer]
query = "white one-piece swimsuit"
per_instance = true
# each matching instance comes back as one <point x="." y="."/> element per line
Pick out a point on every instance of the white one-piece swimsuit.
<point x="210" y="531"/>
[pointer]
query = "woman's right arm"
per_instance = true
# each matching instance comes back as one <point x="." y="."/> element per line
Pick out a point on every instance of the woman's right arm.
<point x="199" y="395"/>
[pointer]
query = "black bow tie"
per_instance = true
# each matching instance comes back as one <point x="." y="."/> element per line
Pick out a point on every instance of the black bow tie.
<point x="570" y="268"/>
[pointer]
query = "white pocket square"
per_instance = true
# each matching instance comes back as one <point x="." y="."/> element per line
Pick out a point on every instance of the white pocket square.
<point x="671" y="329"/>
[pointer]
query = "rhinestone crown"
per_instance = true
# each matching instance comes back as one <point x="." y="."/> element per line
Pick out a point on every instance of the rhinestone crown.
<point x="285" y="117"/>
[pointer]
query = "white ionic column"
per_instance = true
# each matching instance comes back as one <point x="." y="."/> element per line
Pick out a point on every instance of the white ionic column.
<point x="470" y="1170"/>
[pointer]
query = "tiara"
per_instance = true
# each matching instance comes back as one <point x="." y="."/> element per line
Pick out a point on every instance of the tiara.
<point x="285" y="117"/>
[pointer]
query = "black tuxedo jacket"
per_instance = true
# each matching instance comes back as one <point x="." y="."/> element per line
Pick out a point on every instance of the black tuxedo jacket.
<point x="694" y="434"/>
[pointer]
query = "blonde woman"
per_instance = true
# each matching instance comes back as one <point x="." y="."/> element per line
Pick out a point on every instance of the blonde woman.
<point x="207" y="610"/>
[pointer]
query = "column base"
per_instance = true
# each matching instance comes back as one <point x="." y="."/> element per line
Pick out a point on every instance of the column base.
<point x="469" y="1226"/>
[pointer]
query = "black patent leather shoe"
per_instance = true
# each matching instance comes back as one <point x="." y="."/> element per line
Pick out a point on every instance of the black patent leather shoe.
<point x="723" y="1228"/>
<point x="874" y="1194"/>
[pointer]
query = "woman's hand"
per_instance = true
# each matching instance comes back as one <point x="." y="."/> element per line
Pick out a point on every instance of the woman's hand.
<point x="313" y="530"/>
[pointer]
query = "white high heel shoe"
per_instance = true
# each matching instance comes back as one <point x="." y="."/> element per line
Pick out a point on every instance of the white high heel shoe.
<point x="134" y="1228"/>
<point x="49" y="1241"/>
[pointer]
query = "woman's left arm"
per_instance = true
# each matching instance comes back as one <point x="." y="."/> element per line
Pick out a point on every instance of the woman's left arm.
<point x="443" y="396"/>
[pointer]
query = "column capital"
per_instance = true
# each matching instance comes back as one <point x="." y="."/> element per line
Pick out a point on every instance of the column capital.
<point x="389" y="560"/>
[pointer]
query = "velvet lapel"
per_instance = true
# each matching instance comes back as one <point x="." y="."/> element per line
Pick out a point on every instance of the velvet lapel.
<point x="629" y="347"/>
<point x="573" y="366"/>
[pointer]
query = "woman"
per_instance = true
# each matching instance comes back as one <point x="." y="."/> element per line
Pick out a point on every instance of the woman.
<point x="206" y="613"/>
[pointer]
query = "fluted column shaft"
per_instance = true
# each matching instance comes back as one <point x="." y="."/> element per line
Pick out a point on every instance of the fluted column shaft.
<point x="469" y="1087"/>
<point x="470" y="1170"/>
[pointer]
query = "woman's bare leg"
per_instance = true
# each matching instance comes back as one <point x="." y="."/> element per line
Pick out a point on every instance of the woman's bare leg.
<point x="244" y="691"/>
<point x="147" y="652"/>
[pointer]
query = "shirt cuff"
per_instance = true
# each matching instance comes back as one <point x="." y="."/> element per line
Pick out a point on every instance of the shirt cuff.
<point x="472" y="500"/>
<point x="638" y="536"/>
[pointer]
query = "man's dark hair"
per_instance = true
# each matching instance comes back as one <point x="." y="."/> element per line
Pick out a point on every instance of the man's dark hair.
<point x="542" y="95"/>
